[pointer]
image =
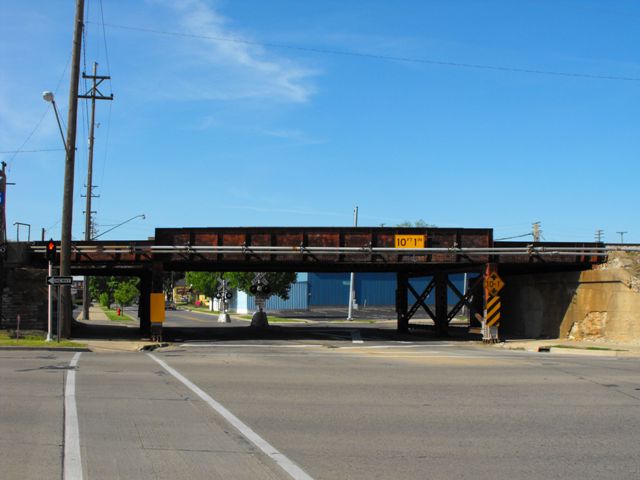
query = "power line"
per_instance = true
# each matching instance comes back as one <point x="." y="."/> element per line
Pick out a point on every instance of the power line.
<point x="41" y="118"/>
<point x="104" y="37"/>
<point x="516" y="236"/>
<point x="34" y="151"/>
<point x="380" y="56"/>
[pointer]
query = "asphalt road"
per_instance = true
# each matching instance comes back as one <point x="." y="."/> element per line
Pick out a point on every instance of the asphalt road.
<point x="321" y="408"/>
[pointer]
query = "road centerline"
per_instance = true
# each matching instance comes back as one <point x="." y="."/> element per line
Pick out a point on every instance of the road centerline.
<point x="282" y="460"/>
<point x="72" y="465"/>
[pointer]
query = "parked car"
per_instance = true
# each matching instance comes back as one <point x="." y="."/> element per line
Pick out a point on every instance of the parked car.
<point x="168" y="305"/>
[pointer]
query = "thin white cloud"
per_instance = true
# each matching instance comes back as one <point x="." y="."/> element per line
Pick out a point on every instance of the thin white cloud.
<point x="222" y="69"/>
<point x="298" y="137"/>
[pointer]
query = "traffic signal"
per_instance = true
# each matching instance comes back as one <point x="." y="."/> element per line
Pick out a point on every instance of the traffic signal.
<point x="50" y="253"/>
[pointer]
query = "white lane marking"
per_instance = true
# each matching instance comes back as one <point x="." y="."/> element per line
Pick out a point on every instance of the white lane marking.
<point x="287" y="465"/>
<point x="188" y="344"/>
<point x="389" y="346"/>
<point x="355" y="337"/>
<point x="72" y="469"/>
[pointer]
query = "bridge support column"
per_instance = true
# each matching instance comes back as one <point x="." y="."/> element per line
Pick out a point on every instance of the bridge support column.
<point x="156" y="317"/>
<point x="402" y="291"/>
<point x="144" y="309"/>
<point x="441" y="319"/>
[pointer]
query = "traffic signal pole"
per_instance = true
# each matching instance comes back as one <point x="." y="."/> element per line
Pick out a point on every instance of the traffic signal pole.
<point x="50" y="305"/>
<point x="51" y="256"/>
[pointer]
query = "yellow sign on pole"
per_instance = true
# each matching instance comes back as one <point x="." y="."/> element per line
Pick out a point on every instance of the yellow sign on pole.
<point x="409" y="241"/>
<point x="157" y="307"/>
<point x="493" y="284"/>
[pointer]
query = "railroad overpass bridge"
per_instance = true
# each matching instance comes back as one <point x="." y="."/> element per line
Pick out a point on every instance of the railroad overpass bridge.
<point x="409" y="252"/>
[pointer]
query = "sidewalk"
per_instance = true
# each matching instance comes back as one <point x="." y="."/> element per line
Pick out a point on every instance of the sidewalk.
<point x="601" y="347"/>
<point x="97" y="318"/>
<point x="96" y="315"/>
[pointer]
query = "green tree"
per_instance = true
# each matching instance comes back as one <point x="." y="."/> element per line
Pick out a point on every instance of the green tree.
<point x="108" y="285"/>
<point x="280" y="282"/>
<point x="205" y="283"/>
<point x="125" y="293"/>
<point x="418" y="224"/>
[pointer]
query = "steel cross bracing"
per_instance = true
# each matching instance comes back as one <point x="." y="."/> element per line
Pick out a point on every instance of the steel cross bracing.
<point x="420" y="300"/>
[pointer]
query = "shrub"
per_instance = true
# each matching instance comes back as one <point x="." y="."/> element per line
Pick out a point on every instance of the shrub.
<point x="104" y="300"/>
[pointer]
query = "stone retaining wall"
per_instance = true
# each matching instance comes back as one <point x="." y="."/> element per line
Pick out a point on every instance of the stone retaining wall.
<point x="24" y="293"/>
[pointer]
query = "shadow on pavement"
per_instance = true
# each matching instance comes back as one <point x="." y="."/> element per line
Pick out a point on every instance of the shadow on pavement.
<point x="273" y="332"/>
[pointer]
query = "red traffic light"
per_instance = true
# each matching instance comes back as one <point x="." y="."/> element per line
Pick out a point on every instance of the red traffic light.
<point x="51" y="250"/>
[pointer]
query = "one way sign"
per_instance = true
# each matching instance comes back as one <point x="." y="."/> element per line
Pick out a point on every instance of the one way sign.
<point x="57" y="280"/>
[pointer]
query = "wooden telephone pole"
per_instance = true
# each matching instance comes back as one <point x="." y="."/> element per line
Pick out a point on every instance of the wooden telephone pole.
<point x="69" y="165"/>
<point x="3" y="199"/>
<point x="93" y="94"/>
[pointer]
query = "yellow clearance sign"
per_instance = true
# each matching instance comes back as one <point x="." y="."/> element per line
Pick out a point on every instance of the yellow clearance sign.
<point x="493" y="284"/>
<point x="409" y="241"/>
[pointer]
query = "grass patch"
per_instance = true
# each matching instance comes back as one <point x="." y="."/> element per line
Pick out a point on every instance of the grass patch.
<point x="354" y="321"/>
<point x="32" y="339"/>
<point x="113" y="315"/>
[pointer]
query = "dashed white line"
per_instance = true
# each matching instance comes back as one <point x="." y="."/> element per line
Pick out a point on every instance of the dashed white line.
<point x="283" y="461"/>
<point x="72" y="468"/>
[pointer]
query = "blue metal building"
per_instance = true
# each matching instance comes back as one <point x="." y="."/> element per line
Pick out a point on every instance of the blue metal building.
<point x="332" y="289"/>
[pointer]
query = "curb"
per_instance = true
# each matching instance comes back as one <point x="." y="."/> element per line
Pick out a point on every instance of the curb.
<point x="46" y="349"/>
<point x="588" y="352"/>
<point x="571" y="350"/>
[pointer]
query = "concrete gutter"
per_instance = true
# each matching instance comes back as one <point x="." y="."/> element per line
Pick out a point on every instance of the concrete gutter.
<point x="113" y="346"/>
<point x="566" y="347"/>
<point x="45" y="348"/>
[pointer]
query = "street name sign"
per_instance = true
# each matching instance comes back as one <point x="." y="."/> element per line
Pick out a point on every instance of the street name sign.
<point x="58" y="280"/>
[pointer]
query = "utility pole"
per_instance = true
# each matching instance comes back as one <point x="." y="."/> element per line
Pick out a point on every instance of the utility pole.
<point x="536" y="231"/>
<point x="69" y="165"/>
<point x="3" y="197"/>
<point x="599" y="236"/>
<point x="352" y="279"/>
<point x="93" y="94"/>
<point x="621" y="236"/>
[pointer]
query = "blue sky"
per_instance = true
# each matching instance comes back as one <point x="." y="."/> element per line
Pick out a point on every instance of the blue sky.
<point x="243" y="113"/>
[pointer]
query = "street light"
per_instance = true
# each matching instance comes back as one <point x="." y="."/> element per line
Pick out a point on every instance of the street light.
<point x="20" y="224"/>
<point x="120" y="224"/>
<point x="48" y="97"/>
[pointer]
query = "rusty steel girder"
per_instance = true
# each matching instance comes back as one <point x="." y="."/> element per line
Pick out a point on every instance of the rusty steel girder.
<point x="317" y="248"/>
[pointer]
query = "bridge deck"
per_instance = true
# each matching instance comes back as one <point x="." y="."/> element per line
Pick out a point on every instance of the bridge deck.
<point x="315" y="249"/>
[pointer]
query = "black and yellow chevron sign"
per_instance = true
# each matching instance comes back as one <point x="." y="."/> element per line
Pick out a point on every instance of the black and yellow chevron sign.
<point x="493" y="311"/>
